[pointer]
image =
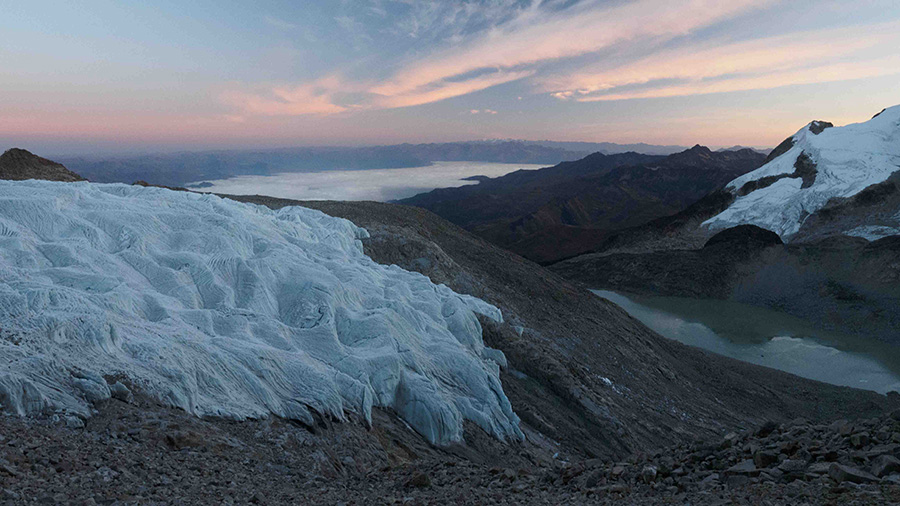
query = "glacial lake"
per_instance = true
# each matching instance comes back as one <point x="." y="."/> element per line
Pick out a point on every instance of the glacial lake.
<point x="769" y="338"/>
<point x="370" y="184"/>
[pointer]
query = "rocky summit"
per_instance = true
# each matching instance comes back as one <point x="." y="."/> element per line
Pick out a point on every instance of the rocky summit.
<point x="19" y="164"/>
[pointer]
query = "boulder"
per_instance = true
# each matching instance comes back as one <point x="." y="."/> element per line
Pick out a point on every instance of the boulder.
<point x="418" y="480"/>
<point x="885" y="465"/>
<point x="648" y="474"/>
<point x="859" y="439"/>
<point x="792" y="466"/>
<point x="764" y="459"/>
<point x="841" y="473"/>
<point x="120" y="392"/>
<point x="745" y="467"/>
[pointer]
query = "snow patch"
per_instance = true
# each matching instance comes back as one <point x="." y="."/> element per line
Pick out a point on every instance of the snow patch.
<point x="848" y="159"/>
<point x="230" y="310"/>
<point x="873" y="232"/>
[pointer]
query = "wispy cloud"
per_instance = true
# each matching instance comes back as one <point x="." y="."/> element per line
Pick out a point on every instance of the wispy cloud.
<point x="334" y="95"/>
<point x="528" y="44"/>
<point x="810" y="57"/>
<point x="313" y="98"/>
<point x="441" y="90"/>
<point x="502" y="54"/>
<point x="279" y="23"/>
<point x="537" y="37"/>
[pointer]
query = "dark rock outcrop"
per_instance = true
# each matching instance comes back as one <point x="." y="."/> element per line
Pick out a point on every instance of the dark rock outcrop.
<point x="744" y="237"/>
<point x="817" y="127"/>
<point x="19" y="165"/>
<point x="804" y="168"/>
<point x="780" y="149"/>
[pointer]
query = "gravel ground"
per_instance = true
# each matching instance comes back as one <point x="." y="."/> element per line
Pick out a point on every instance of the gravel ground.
<point x="143" y="453"/>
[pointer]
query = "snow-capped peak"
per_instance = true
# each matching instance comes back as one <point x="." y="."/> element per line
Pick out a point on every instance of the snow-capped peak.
<point x="816" y="164"/>
<point x="231" y="310"/>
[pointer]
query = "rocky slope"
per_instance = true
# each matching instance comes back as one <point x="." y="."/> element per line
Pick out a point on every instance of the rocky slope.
<point x="562" y="211"/>
<point x="136" y="452"/>
<point x="581" y="372"/>
<point x="842" y="284"/>
<point x="18" y="164"/>
<point x="586" y="380"/>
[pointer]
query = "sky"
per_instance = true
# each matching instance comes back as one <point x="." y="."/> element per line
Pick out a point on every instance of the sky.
<point x="98" y="76"/>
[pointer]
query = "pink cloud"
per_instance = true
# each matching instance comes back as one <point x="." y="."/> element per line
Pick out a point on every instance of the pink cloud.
<point x="445" y="90"/>
<point x="532" y="40"/>
<point x="314" y="98"/>
<point x="506" y="53"/>
<point x="811" y="57"/>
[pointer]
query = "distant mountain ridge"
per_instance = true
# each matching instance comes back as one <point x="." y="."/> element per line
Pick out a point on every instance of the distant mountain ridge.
<point x="738" y="147"/>
<point x="181" y="169"/>
<point x="607" y="148"/>
<point x="821" y="182"/>
<point x="571" y="208"/>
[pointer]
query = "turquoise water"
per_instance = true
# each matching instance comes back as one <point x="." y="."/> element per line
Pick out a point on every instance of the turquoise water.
<point x="767" y="338"/>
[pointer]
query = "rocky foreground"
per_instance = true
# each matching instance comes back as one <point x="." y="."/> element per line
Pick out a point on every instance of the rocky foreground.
<point x="136" y="452"/>
<point x="596" y="392"/>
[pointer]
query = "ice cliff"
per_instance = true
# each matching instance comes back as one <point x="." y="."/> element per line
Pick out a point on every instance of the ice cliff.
<point x="229" y="310"/>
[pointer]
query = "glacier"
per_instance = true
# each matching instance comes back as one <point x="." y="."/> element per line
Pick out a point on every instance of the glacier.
<point x="848" y="159"/>
<point x="229" y="310"/>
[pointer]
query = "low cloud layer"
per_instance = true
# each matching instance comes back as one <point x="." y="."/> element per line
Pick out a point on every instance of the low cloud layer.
<point x="380" y="184"/>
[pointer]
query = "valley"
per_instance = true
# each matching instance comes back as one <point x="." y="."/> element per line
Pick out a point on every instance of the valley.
<point x="455" y="252"/>
<point x="414" y="351"/>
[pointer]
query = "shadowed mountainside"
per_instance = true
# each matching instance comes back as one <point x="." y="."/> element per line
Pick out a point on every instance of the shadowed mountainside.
<point x="843" y="284"/>
<point x="581" y="371"/>
<point x="572" y="208"/>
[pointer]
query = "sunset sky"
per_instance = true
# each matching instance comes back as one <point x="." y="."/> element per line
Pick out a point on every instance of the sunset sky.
<point x="125" y="76"/>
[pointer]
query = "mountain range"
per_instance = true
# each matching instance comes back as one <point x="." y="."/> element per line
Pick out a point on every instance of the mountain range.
<point x="325" y="350"/>
<point x="562" y="211"/>
<point x="827" y="197"/>
<point x="181" y="169"/>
